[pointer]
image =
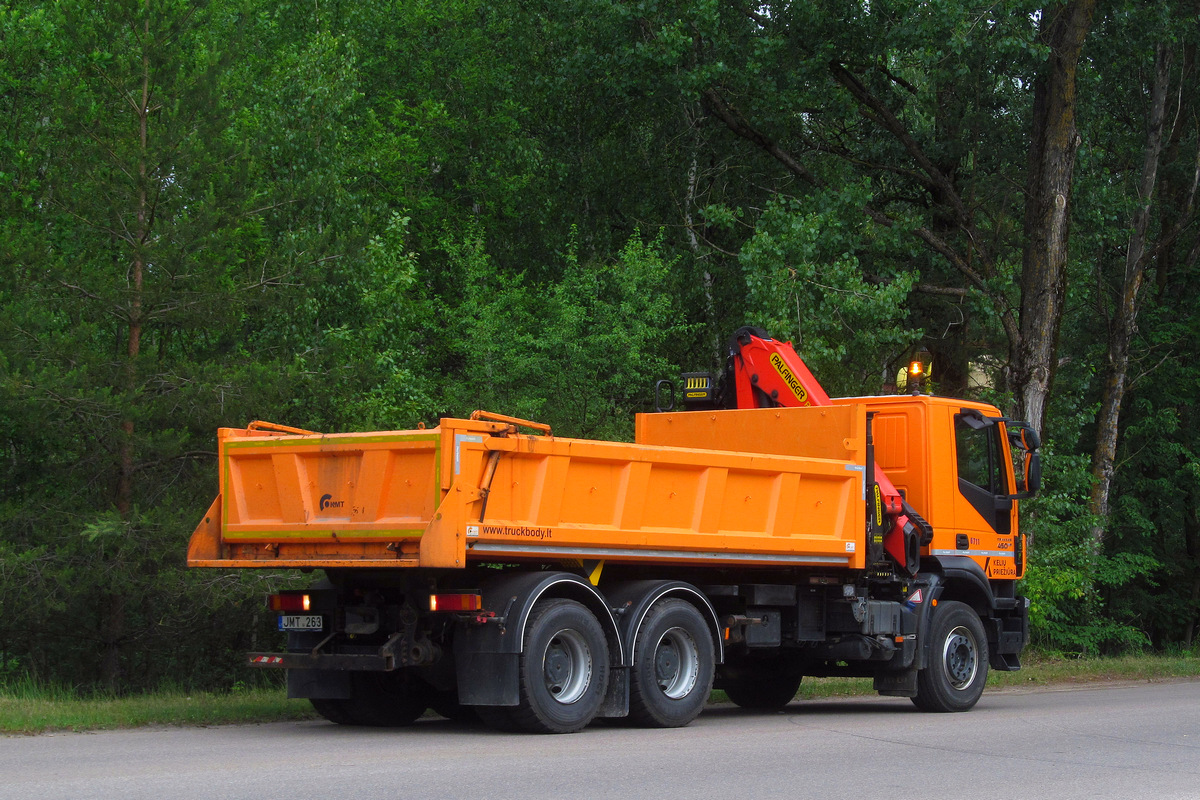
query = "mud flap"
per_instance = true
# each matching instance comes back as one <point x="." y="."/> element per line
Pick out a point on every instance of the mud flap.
<point x="616" y="701"/>
<point x="897" y="684"/>
<point x="489" y="679"/>
<point x="318" y="684"/>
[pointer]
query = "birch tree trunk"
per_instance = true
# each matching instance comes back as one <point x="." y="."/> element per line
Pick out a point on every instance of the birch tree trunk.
<point x="1124" y="324"/>
<point x="1054" y="143"/>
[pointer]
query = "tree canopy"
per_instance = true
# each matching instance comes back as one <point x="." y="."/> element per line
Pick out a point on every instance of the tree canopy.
<point x="353" y="217"/>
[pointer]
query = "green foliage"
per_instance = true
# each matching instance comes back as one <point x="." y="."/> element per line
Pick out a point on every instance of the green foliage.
<point x="1066" y="584"/>
<point x="1072" y="584"/>
<point x="1156" y="513"/>
<point x="581" y="354"/>
<point x="365" y="216"/>
<point x="824" y="271"/>
<point x="1133" y="577"/>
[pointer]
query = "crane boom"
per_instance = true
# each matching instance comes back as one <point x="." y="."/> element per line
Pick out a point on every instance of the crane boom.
<point x="761" y="372"/>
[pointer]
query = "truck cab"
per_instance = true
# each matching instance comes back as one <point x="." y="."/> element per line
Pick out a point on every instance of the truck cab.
<point x="953" y="463"/>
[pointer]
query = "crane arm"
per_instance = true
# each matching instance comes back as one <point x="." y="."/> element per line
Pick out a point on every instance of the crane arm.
<point x="761" y="372"/>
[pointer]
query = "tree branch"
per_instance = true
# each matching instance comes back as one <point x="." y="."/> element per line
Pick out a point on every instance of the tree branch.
<point x="952" y="291"/>
<point x="179" y="457"/>
<point x="734" y="121"/>
<point x="934" y="180"/>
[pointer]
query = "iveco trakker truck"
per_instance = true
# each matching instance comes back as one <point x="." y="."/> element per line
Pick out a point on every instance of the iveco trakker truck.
<point x="760" y="533"/>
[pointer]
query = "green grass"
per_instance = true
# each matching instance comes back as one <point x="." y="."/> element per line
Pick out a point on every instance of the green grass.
<point x="1042" y="670"/>
<point x="1038" y="671"/>
<point x="28" y="708"/>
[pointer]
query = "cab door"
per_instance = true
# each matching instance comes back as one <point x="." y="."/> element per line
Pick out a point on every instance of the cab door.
<point x="985" y="527"/>
<point x="983" y="471"/>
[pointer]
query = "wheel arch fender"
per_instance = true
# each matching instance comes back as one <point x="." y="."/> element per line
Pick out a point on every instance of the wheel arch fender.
<point x="487" y="655"/>
<point x="633" y="601"/>
<point x="964" y="580"/>
<point x="513" y="597"/>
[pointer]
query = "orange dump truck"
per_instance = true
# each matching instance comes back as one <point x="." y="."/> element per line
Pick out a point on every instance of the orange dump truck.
<point x="486" y="567"/>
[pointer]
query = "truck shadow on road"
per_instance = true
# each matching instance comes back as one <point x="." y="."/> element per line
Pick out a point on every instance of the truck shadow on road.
<point x="839" y="707"/>
<point x="433" y="725"/>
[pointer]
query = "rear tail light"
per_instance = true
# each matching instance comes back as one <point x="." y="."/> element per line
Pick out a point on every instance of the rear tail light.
<point x="455" y="602"/>
<point x="289" y="601"/>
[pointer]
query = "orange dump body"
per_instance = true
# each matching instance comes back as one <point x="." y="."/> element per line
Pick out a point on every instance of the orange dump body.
<point x="481" y="491"/>
<point x="770" y="487"/>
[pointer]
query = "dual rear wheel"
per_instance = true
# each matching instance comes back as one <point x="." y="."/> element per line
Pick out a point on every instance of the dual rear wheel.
<point x="565" y="668"/>
<point x="564" y="674"/>
<point x="673" y="664"/>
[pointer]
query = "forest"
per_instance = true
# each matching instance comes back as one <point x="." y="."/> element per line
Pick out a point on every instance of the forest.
<point x="362" y="216"/>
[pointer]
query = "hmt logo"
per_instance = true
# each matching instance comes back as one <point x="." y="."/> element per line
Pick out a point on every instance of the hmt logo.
<point x="327" y="501"/>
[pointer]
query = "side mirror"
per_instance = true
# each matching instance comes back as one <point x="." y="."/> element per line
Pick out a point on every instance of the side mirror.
<point x="1023" y="436"/>
<point x="1033" y="474"/>
<point x="1026" y="441"/>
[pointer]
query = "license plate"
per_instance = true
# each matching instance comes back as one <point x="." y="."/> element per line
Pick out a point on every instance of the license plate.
<point x="302" y="622"/>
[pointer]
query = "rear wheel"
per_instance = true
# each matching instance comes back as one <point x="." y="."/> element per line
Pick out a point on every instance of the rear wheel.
<point x="563" y="669"/>
<point x="333" y="710"/>
<point x="380" y="699"/>
<point x="954" y="678"/>
<point x="768" y="686"/>
<point x="672" y="667"/>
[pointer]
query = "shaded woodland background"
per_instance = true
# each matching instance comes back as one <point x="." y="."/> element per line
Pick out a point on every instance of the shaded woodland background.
<point x="355" y="216"/>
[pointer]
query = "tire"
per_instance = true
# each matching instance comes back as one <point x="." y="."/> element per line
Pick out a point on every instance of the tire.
<point x="768" y="686"/>
<point x="673" y="665"/>
<point x="563" y="670"/>
<point x="954" y="678"/>
<point x="333" y="710"/>
<point x="380" y="700"/>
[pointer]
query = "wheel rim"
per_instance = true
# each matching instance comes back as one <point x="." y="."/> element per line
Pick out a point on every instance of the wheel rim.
<point x="960" y="656"/>
<point x="676" y="663"/>
<point x="567" y="666"/>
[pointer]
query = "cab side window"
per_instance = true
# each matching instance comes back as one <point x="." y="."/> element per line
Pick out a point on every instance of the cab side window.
<point x="981" y="472"/>
<point x="978" y="459"/>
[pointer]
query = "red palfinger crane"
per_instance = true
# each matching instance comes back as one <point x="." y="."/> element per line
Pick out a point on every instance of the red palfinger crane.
<point x="761" y="372"/>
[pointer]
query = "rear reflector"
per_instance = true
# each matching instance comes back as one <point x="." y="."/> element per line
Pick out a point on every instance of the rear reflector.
<point x="291" y="601"/>
<point x="455" y="602"/>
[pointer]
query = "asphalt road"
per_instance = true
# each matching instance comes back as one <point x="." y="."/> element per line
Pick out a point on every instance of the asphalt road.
<point x="1128" y="742"/>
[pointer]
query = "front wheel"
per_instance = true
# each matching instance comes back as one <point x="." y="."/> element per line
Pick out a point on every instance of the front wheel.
<point x="563" y="669"/>
<point x="954" y="678"/>
<point x="673" y="665"/>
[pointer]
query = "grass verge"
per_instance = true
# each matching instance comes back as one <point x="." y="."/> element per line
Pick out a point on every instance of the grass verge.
<point x="29" y="708"/>
<point x="39" y="709"/>
<point x="1037" y="671"/>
